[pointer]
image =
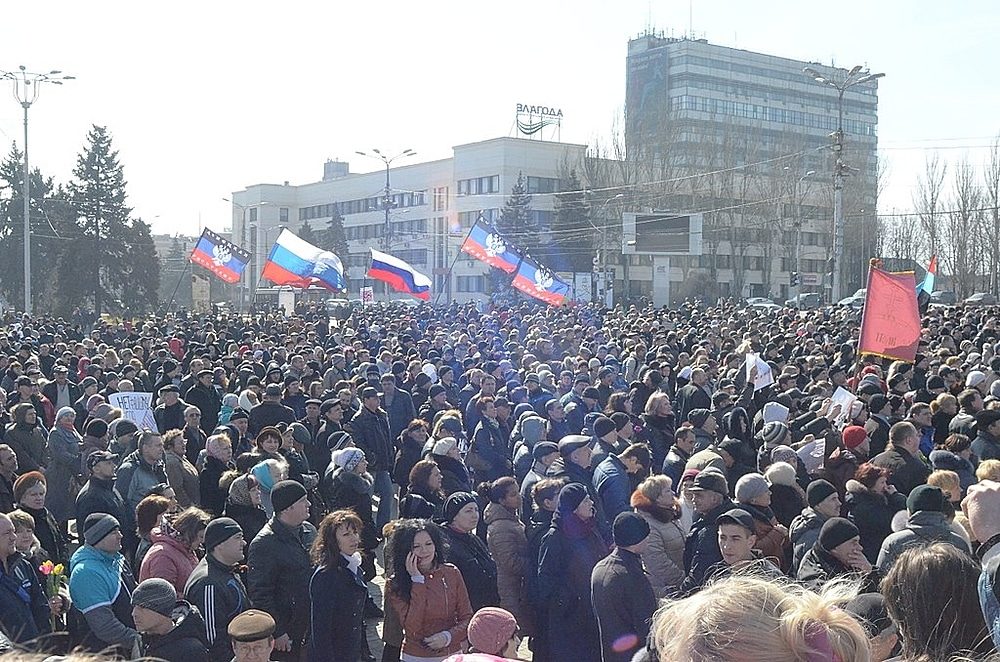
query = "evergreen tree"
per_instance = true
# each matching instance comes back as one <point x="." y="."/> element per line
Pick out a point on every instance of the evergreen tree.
<point x="572" y="245"/>
<point x="335" y="238"/>
<point x="516" y="220"/>
<point x="112" y="262"/>
<point x="175" y="263"/>
<point x="306" y="233"/>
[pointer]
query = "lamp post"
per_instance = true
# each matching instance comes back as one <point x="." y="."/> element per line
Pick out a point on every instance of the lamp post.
<point x="244" y="238"/>
<point x="387" y="197"/>
<point x="26" y="88"/>
<point x="854" y="77"/>
<point x="601" y="264"/>
<point x="798" y="229"/>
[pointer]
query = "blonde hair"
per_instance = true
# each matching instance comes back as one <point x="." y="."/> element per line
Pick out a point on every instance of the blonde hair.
<point x="785" y="623"/>
<point x="653" y="403"/>
<point x="654" y="486"/>
<point x="945" y="479"/>
<point x="988" y="470"/>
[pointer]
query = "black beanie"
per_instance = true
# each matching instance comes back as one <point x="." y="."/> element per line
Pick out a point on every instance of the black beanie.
<point x="570" y="497"/>
<point x="925" y="497"/>
<point x="286" y="493"/>
<point x="219" y="531"/>
<point x="454" y="503"/>
<point x="835" y="532"/>
<point x="630" y="529"/>
<point x="603" y="425"/>
<point x="817" y="491"/>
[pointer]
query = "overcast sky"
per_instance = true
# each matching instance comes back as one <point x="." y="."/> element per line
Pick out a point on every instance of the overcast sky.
<point x="204" y="98"/>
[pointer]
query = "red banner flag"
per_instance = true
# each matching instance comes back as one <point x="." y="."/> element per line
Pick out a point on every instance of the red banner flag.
<point x="890" y="324"/>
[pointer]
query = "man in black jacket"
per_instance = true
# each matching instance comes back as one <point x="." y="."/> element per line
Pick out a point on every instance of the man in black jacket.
<point x="99" y="495"/>
<point x="370" y="431"/>
<point x="280" y="568"/>
<point x="215" y="587"/>
<point x="171" y="629"/>
<point x="169" y="414"/>
<point x="901" y="458"/>
<point x="621" y="593"/>
<point x="710" y="493"/>
<point x="204" y="396"/>
<point x="574" y="465"/>
<point x="61" y="392"/>
<point x="8" y="474"/>
<point x="270" y="411"/>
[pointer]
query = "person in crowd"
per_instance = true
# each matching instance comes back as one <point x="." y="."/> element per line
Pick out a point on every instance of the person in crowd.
<point x="269" y="412"/>
<point x="371" y="433"/>
<point x="409" y="451"/>
<point x="170" y="629"/>
<point x="454" y="475"/>
<point x="620" y="591"/>
<point x="244" y="504"/>
<point x="141" y="469"/>
<point x="467" y="552"/>
<point x="28" y="438"/>
<point x="8" y="474"/>
<point x="753" y="495"/>
<point x="489" y="455"/>
<point x="824" y="503"/>
<point x="954" y="453"/>
<point x="203" y="395"/>
<point x="169" y="414"/>
<point x="680" y="452"/>
<point x="710" y="494"/>
<point x="216" y="587"/>
<point x="787" y="622"/>
<point x="100" y="586"/>
<point x="930" y="594"/>
<point x="543" y="454"/>
<point x="926" y="524"/>
<point x="347" y="485"/>
<point x="738" y="545"/>
<point x="871" y="503"/>
<point x="194" y="435"/>
<point x="182" y="475"/>
<point x="397" y="404"/>
<point x="566" y="560"/>
<point x="280" y="567"/>
<point x="218" y="460"/>
<point x="663" y="553"/>
<point x="493" y="632"/>
<point x="24" y="608"/>
<point x="837" y="552"/>
<point x="338" y="591"/>
<point x="574" y="466"/>
<point x="902" y="458"/>
<point x="788" y="498"/>
<point x="252" y="636"/>
<point x="172" y="554"/>
<point x="63" y="470"/>
<point x="30" y="490"/>
<point x="427" y="595"/>
<point x="508" y="545"/>
<point x="613" y="478"/>
<point x="424" y="497"/>
<point x="148" y="515"/>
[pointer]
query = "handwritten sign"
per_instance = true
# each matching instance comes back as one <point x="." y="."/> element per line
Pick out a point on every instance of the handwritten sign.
<point x="764" y="375"/>
<point x="135" y="407"/>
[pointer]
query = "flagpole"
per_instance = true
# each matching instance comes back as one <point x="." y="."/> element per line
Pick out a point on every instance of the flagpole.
<point x="177" y="286"/>
<point x="458" y="253"/>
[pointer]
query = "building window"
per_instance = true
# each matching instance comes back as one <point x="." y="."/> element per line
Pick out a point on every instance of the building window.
<point x="441" y="198"/>
<point x="283" y="215"/>
<point x="466" y="219"/>
<point x="470" y="283"/>
<point x="542" y="184"/>
<point x="253" y="214"/>
<point x="479" y="185"/>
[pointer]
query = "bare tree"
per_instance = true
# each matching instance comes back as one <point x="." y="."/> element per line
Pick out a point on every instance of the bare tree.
<point x="901" y="238"/>
<point x="927" y="200"/>
<point x="962" y="229"/>
<point x="991" y="222"/>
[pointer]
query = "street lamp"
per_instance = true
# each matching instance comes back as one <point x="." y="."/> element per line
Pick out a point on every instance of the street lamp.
<point x="27" y="86"/>
<point x="387" y="197"/>
<point x="602" y="263"/>
<point x="244" y="242"/>
<point x="798" y="227"/>
<point x="854" y="77"/>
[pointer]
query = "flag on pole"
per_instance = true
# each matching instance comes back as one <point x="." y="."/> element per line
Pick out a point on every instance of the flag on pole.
<point x="487" y="245"/>
<point x="220" y="256"/>
<point x="890" y="323"/>
<point x="298" y="263"/>
<point x="538" y="282"/>
<point x="399" y="274"/>
<point x="926" y="287"/>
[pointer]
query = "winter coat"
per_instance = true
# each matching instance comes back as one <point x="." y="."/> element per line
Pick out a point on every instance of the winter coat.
<point x="421" y="504"/>
<point x="532" y="431"/>
<point x="135" y="476"/>
<point x="509" y="547"/>
<point x="819" y="567"/>
<point x="342" y="489"/>
<point x="701" y="548"/>
<point x="267" y="414"/>
<point x="787" y="502"/>
<point x="468" y="553"/>
<point x="208" y="401"/>
<point x="279" y="574"/>
<point x="673" y="466"/>
<point x="942" y="459"/>
<point x="28" y="442"/>
<point x="907" y="470"/>
<point x="400" y="412"/>
<point x="658" y="433"/>
<point x="409" y="452"/>
<point x="337" y="613"/>
<point x="803" y="534"/>
<point x="185" y="643"/>
<point x="454" y="475"/>
<point x="370" y="431"/>
<point x="691" y="397"/>
<point x="664" y="553"/>
<point x="100" y="586"/>
<point x="168" y="558"/>
<point x="49" y="534"/>
<point x="219" y="594"/>
<point x="613" y="487"/>
<point x="574" y="473"/>
<point x="872" y="514"/>
<point x="183" y="477"/>
<point x="63" y="472"/>
<point x="922" y="528"/>
<point x="213" y="497"/>
<point x="624" y="603"/>
<point x="569" y="552"/>
<point x="488" y="456"/>
<point x="24" y="609"/>
<point x="88" y="446"/>
<point x="985" y="446"/>
<point x="250" y="518"/>
<point x="439" y="603"/>
<point x="100" y="496"/>
<point x="772" y="537"/>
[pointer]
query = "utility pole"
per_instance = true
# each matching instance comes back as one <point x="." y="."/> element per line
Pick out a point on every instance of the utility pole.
<point x="387" y="194"/>
<point x="26" y="89"/>
<point x="854" y="77"/>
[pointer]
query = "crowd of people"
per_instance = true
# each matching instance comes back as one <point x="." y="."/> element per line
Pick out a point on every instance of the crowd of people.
<point x="578" y="484"/>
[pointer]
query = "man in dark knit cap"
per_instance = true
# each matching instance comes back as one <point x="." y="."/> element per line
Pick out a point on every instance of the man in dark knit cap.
<point x="837" y="552"/>
<point x="171" y="629"/>
<point x="215" y="586"/>
<point x="621" y="593"/>
<point x="280" y="568"/>
<point x="824" y="503"/>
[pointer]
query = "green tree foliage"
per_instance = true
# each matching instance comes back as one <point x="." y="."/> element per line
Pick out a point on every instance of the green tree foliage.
<point x="306" y="233"/>
<point x="113" y="265"/>
<point x="334" y="237"/>
<point x="573" y="244"/>
<point x="516" y="220"/>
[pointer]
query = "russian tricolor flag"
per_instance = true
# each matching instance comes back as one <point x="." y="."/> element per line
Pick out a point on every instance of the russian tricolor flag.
<point x="298" y="263"/>
<point x="538" y="282"/>
<point x="399" y="275"/>
<point x="220" y="256"/>
<point x="487" y="245"/>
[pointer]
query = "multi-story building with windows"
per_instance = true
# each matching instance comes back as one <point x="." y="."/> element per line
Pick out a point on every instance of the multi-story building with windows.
<point x="745" y="138"/>
<point x="433" y="206"/>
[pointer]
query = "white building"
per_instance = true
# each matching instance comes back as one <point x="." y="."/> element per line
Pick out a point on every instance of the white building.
<point x="434" y="205"/>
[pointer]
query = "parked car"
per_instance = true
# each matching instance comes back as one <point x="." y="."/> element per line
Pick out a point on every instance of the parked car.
<point x="944" y="298"/>
<point x="805" y="301"/>
<point x="980" y="299"/>
<point x="856" y="300"/>
<point x="761" y="303"/>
